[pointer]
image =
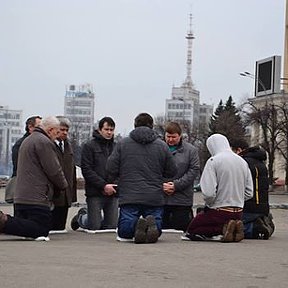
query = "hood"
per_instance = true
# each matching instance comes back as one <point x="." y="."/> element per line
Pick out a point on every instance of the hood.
<point x="217" y="143"/>
<point x="100" y="138"/>
<point x="143" y="135"/>
<point x="254" y="152"/>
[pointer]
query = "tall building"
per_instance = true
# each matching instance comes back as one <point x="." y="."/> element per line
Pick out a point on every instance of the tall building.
<point x="79" y="109"/>
<point x="184" y="104"/>
<point x="10" y="131"/>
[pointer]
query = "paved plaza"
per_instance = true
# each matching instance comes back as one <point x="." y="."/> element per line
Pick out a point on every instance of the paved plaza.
<point x="79" y="259"/>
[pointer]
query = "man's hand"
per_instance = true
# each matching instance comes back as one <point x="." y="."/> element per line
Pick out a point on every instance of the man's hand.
<point x="168" y="188"/>
<point x="109" y="189"/>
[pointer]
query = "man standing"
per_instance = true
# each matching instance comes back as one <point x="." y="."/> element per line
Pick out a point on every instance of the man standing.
<point x="38" y="174"/>
<point x="63" y="199"/>
<point x="100" y="192"/>
<point x="141" y="161"/>
<point x="226" y="183"/>
<point x="30" y="125"/>
<point x="257" y="220"/>
<point x="179" y="192"/>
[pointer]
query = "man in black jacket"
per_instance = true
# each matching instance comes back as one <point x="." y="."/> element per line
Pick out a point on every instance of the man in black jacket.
<point x="99" y="191"/>
<point x="257" y="220"/>
<point x="141" y="161"/>
<point x="30" y="125"/>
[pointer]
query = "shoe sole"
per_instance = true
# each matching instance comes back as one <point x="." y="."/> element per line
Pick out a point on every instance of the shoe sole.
<point x="140" y="231"/>
<point x="152" y="230"/>
<point x="229" y="233"/>
<point x="239" y="231"/>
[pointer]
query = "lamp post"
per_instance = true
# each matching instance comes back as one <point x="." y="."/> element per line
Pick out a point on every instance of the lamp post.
<point x="258" y="80"/>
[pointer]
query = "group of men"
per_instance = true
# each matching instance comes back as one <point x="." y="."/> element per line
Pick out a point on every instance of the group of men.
<point x="149" y="181"/>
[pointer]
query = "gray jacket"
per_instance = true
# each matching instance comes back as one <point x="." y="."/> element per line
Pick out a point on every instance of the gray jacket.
<point x="141" y="161"/>
<point x="187" y="160"/>
<point x="38" y="171"/>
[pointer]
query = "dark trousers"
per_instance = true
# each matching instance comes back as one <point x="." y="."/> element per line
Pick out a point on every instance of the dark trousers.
<point x="59" y="217"/>
<point x="29" y="221"/>
<point x="129" y="215"/>
<point x="177" y="217"/>
<point x="210" y="222"/>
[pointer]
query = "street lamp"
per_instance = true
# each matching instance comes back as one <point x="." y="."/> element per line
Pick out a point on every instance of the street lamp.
<point x="258" y="80"/>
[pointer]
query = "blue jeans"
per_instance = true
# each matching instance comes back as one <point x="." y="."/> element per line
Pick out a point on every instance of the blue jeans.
<point x="129" y="215"/>
<point x="94" y="220"/>
<point x="248" y="221"/>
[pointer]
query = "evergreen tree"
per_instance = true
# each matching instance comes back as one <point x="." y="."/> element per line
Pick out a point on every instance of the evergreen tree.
<point x="227" y="121"/>
<point x="213" y="121"/>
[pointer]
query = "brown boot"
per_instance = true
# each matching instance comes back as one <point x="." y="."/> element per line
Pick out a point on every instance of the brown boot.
<point x="228" y="231"/>
<point x="3" y="219"/>
<point x="239" y="231"/>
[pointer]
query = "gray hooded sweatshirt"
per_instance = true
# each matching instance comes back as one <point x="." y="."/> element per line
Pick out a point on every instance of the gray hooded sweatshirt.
<point x="226" y="180"/>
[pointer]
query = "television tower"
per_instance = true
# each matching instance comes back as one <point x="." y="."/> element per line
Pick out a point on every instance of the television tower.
<point x="189" y="37"/>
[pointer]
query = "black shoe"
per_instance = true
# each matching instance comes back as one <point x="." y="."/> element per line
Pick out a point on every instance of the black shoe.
<point x="196" y="237"/>
<point x="152" y="230"/>
<point x="260" y="230"/>
<point x="3" y="219"/>
<point x="269" y="223"/>
<point x="140" y="231"/>
<point x="74" y="222"/>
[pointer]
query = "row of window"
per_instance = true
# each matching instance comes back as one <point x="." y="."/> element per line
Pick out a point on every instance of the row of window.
<point x="179" y="106"/>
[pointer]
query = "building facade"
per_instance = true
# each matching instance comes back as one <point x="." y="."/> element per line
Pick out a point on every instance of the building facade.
<point x="79" y="109"/>
<point x="11" y="122"/>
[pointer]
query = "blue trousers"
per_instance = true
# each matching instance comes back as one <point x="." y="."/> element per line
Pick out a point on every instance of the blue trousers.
<point x="248" y="221"/>
<point x="129" y="215"/>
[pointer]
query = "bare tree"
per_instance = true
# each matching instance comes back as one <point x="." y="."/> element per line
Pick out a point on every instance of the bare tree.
<point x="266" y="117"/>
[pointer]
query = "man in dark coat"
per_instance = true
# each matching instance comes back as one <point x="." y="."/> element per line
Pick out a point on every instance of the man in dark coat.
<point x="39" y="173"/>
<point x="30" y="124"/>
<point x="141" y="161"/>
<point x="99" y="190"/>
<point x="62" y="200"/>
<point x="256" y="216"/>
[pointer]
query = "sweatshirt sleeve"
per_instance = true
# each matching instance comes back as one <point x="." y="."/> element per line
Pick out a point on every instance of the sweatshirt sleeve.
<point x="249" y="186"/>
<point x="208" y="183"/>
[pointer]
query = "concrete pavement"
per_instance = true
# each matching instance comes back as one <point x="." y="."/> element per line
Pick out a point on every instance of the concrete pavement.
<point x="78" y="259"/>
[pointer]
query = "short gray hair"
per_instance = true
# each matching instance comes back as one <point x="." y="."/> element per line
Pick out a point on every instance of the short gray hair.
<point x="64" y="121"/>
<point x="49" y="122"/>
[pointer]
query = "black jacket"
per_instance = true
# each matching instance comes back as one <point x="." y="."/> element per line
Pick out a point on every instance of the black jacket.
<point x="15" y="151"/>
<point x="94" y="156"/>
<point x="255" y="157"/>
<point x="141" y="161"/>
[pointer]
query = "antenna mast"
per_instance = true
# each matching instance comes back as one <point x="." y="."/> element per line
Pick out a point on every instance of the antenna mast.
<point x="190" y="38"/>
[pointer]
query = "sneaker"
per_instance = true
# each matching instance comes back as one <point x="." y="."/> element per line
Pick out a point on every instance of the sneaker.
<point x="261" y="230"/>
<point x="141" y="231"/>
<point x="196" y="237"/>
<point x="269" y="223"/>
<point x="185" y="237"/>
<point x="3" y="219"/>
<point x="123" y="239"/>
<point x="152" y="230"/>
<point x="74" y="222"/>
<point x="228" y="231"/>
<point x="239" y="231"/>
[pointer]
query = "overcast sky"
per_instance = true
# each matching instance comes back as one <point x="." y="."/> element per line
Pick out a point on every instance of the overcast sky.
<point x="131" y="51"/>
